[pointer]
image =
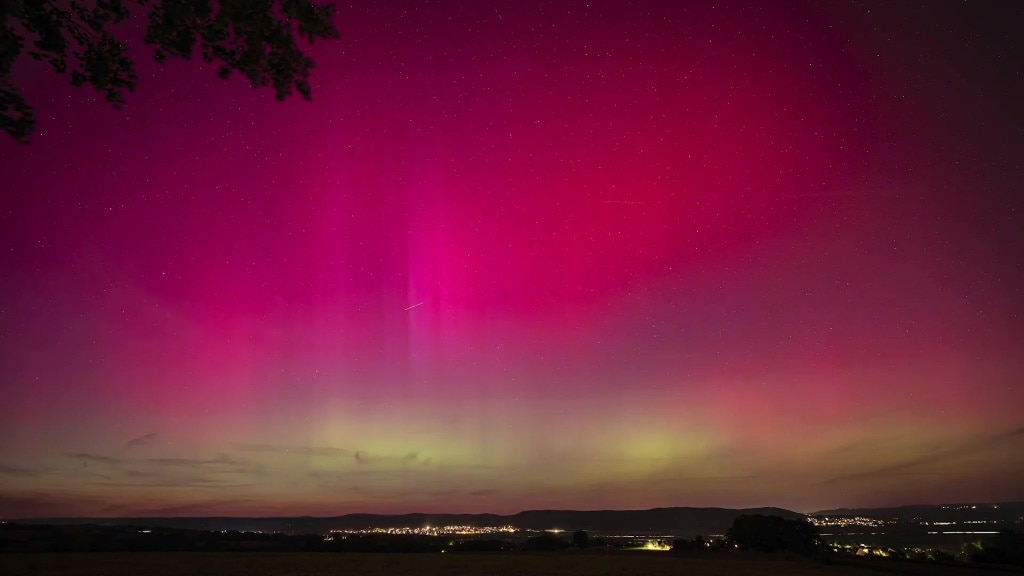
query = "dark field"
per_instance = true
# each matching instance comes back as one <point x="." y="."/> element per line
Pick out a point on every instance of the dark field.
<point x="556" y="564"/>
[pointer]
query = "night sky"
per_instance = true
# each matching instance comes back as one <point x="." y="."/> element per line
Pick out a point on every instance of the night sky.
<point x="522" y="254"/>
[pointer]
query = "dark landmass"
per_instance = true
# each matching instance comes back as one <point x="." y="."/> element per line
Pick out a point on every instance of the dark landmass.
<point x="582" y="563"/>
<point x="657" y="521"/>
<point x="1009" y="512"/>
<point x="948" y="527"/>
<point x="942" y="531"/>
<point x="748" y="534"/>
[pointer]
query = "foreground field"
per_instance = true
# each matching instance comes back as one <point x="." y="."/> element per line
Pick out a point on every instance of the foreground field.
<point x="554" y="564"/>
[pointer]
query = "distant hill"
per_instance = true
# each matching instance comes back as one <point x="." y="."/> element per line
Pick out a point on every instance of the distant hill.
<point x="684" y="522"/>
<point x="1009" y="512"/>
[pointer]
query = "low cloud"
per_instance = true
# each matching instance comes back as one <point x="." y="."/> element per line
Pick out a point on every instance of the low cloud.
<point x="86" y="458"/>
<point x="325" y="451"/>
<point x="222" y="471"/>
<point x="140" y="441"/>
<point x="221" y="460"/>
<point x="676" y="479"/>
<point x="908" y="467"/>
<point x="361" y="457"/>
<point x="197" y="509"/>
<point x="28" y="505"/>
<point x="175" y="483"/>
<point x="18" y="471"/>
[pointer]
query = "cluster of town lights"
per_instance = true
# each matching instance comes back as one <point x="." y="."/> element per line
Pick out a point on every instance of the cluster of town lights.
<point x="455" y="530"/>
<point x="845" y="521"/>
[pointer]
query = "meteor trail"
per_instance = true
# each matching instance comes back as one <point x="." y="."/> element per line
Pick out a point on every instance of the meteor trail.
<point x="414" y="305"/>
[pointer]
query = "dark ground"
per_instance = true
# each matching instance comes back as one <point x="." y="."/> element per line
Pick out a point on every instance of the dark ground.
<point x="568" y="563"/>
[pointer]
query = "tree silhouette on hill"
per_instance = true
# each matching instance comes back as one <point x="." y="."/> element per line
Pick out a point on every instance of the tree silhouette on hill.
<point x="1005" y="547"/>
<point x="773" y="533"/>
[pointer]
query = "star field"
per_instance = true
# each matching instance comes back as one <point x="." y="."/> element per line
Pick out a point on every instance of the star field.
<point x="523" y="255"/>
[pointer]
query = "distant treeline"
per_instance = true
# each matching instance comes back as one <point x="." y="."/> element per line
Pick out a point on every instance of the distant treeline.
<point x="679" y="521"/>
<point x="1006" y="512"/>
<point x="16" y="537"/>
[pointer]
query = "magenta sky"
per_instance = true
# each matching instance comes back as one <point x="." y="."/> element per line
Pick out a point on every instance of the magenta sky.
<point x="528" y="254"/>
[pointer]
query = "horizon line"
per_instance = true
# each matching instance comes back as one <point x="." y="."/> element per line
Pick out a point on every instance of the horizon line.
<point x="1002" y="503"/>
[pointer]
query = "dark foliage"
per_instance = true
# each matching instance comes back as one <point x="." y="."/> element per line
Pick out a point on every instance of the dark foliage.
<point x="1006" y="547"/>
<point x="683" y="545"/>
<point x="580" y="539"/>
<point x="481" y="545"/>
<point x="773" y="533"/>
<point x="697" y="544"/>
<point x="253" y="37"/>
<point x="546" y="541"/>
